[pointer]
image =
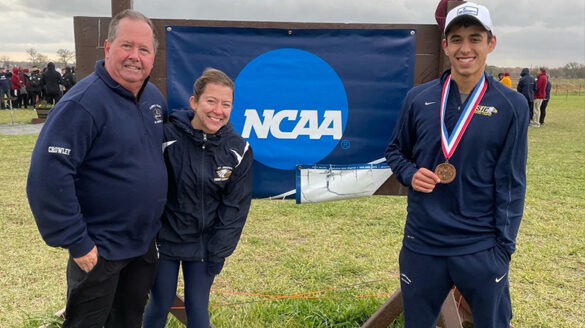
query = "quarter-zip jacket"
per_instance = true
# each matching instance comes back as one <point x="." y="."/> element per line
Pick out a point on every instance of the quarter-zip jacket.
<point x="97" y="174"/>
<point x="483" y="206"/>
<point x="210" y="190"/>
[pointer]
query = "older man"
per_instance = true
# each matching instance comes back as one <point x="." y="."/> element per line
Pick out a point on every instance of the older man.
<point x="97" y="181"/>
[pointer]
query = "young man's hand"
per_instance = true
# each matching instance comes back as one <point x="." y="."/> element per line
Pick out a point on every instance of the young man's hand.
<point x="424" y="180"/>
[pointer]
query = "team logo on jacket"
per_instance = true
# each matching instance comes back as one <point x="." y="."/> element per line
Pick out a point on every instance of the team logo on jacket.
<point x="157" y="113"/>
<point x="486" y="110"/>
<point x="291" y="106"/>
<point x="223" y="173"/>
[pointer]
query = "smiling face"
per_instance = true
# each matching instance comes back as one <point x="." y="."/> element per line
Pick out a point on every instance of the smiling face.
<point x="130" y="56"/>
<point x="213" y="108"/>
<point x="467" y="48"/>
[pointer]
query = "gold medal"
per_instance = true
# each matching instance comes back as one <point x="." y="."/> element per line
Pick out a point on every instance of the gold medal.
<point x="446" y="172"/>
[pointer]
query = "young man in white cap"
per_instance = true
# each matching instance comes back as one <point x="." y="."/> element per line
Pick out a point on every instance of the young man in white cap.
<point x="460" y="144"/>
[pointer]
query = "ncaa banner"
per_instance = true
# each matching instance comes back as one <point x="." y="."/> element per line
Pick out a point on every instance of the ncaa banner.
<point x="302" y="97"/>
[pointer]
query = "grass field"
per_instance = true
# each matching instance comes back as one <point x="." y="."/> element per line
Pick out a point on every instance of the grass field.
<point x="332" y="264"/>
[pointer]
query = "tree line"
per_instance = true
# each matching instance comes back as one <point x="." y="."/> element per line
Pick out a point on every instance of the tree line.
<point x="65" y="57"/>
<point x="572" y="70"/>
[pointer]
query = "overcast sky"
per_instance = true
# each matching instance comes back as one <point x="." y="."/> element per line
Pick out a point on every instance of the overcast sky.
<point x="529" y="33"/>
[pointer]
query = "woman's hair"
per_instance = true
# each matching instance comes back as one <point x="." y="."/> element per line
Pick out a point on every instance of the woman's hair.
<point x="211" y="75"/>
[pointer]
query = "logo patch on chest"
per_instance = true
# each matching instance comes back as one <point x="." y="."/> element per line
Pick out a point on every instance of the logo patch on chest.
<point x="223" y="173"/>
<point x="157" y="113"/>
<point x="486" y="110"/>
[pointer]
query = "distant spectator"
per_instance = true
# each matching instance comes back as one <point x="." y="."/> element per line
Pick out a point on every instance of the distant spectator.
<point x="15" y="84"/>
<point x="500" y="76"/>
<point x="62" y="87"/>
<point x="51" y="81"/>
<point x="506" y="80"/>
<point x="24" y="87"/>
<point x="68" y="79"/>
<point x="526" y="87"/>
<point x="4" y="87"/>
<point x="546" y="99"/>
<point x="539" y="96"/>
<point x="441" y="13"/>
<point x="35" y="86"/>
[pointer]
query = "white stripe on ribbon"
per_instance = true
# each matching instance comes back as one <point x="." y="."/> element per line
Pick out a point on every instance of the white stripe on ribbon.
<point x="449" y="142"/>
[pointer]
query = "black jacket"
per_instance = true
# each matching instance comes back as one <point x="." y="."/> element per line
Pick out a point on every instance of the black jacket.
<point x="68" y="78"/>
<point x="36" y="82"/>
<point x="210" y="190"/>
<point x="526" y="85"/>
<point x="51" y="80"/>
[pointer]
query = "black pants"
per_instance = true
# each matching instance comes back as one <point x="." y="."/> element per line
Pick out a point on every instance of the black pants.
<point x="4" y="93"/>
<point x="543" y="110"/>
<point x="35" y="96"/>
<point x="52" y="98"/>
<point x="23" y="100"/>
<point x="113" y="294"/>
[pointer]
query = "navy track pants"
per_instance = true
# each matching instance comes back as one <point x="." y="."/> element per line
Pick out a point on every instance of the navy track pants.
<point x="482" y="279"/>
<point x="197" y="287"/>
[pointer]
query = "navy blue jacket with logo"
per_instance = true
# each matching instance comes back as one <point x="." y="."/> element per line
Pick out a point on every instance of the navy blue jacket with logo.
<point x="483" y="206"/>
<point x="210" y="190"/>
<point x="97" y="174"/>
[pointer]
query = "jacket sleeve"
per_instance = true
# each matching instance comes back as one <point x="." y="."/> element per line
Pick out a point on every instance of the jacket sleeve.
<point x="519" y="86"/>
<point x="510" y="179"/>
<point x="399" y="151"/>
<point x="59" y="152"/>
<point x="233" y="211"/>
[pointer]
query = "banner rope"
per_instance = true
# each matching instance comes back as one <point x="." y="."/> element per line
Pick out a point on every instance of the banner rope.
<point x="304" y="295"/>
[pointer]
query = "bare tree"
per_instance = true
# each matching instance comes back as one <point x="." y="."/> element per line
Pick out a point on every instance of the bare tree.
<point x="42" y="60"/>
<point x="36" y="58"/>
<point x="65" y="56"/>
<point x="4" y="60"/>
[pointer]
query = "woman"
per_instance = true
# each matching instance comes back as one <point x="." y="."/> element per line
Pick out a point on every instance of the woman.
<point x="209" y="167"/>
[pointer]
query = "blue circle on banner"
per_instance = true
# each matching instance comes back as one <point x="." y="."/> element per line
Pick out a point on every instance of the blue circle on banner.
<point x="291" y="106"/>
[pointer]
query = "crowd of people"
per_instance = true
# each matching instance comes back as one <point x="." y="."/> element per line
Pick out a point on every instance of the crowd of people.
<point x="24" y="87"/>
<point x="535" y="90"/>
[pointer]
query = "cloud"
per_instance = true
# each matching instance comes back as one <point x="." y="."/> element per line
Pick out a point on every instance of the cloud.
<point x="548" y="33"/>
<point x="64" y="8"/>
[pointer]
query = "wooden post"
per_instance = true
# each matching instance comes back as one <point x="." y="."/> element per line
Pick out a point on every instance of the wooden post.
<point x="120" y="5"/>
<point x="450" y="317"/>
<point x="178" y="310"/>
<point x="387" y="313"/>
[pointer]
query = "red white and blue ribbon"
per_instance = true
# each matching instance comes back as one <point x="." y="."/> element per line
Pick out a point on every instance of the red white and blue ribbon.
<point x="450" y="142"/>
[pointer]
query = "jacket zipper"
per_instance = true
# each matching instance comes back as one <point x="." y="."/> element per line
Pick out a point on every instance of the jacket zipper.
<point x="203" y="170"/>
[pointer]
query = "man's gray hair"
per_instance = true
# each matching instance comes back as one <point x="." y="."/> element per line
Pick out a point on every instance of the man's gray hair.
<point x="133" y="15"/>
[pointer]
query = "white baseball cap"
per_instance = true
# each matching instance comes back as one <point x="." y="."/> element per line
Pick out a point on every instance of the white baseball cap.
<point x="471" y="10"/>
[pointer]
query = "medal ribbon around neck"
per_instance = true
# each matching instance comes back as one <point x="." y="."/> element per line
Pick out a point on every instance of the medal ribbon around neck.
<point x="449" y="143"/>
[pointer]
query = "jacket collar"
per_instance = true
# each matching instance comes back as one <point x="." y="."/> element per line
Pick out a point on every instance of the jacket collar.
<point x="182" y="119"/>
<point x="489" y="78"/>
<point x="101" y="72"/>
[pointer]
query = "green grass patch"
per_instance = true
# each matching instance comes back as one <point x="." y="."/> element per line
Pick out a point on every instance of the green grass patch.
<point x="333" y="264"/>
<point x="17" y="116"/>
